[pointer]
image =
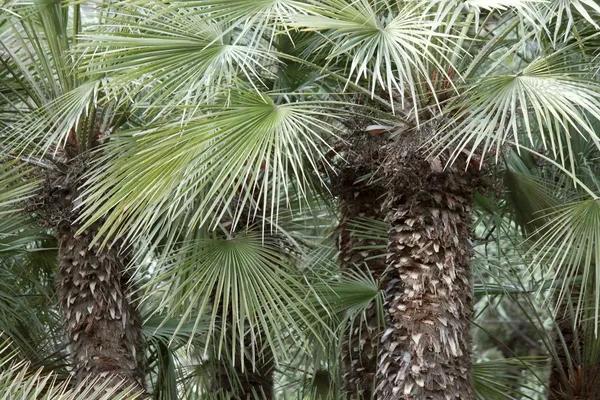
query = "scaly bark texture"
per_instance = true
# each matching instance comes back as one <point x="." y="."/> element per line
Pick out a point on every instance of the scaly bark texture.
<point x="96" y="300"/>
<point x="101" y="319"/>
<point x="360" y="199"/>
<point x="425" y="351"/>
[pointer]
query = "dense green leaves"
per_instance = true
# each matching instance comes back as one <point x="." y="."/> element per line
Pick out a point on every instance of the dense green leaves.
<point x="240" y="153"/>
<point x="212" y="130"/>
<point x="245" y="284"/>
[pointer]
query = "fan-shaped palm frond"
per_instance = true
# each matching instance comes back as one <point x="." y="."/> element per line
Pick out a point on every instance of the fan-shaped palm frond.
<point x="18" y="381"/>
<point x="242" y="282"/>
<point x="392" y="47"/>
<point x="548" y="99"/>
<point x="565" y="16"/>
<point x="172" y="58"/>
<point x="569" y="247"/>
<point x="54" y="108"/>
<point x="234" y="155"/>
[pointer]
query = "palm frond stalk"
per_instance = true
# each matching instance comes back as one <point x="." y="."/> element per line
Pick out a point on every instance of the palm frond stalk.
<point x="425" y="353"/>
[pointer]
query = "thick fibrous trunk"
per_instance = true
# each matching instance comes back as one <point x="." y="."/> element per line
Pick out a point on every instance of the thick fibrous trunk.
<point x="359" y="347"/>
<point x="360" y="199"/>
<point x="100" y="316"/>
<point x="425" y="351"/>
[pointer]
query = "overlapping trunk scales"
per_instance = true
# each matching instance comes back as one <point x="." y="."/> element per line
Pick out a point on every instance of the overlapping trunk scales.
<point x="425" y="351"/>
<point x="359" y="348"/>
<point x="360" y="198"/>
<point x="100" y="316"/>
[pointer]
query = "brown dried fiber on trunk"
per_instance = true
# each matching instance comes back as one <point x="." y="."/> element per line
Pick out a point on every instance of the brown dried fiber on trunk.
<point x="425" y="351"/>
<point x="362" y="199"/>
<point x="95" y="294"/>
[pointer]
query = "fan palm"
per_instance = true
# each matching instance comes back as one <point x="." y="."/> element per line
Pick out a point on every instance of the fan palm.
<point x="41" y="94"/>
<point x="438" y="72"/>
<point x="394" y="105"/>
<point x="564" y="259"/>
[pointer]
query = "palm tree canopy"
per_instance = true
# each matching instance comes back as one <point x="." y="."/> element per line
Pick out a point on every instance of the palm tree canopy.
<point x="216" y="126"/>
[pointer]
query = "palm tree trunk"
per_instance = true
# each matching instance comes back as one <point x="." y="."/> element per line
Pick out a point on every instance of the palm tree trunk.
<point x="100" y="317"/>
<point x="425" y="351"/>
<point x="360" y="199"/>
<point x="360" y="342"/>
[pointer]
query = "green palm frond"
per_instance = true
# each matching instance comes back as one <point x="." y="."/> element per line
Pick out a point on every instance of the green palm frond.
<point x="49" y="127"/>
<point x="240" y="153"/>
<point x="350" y="295"/>
<point x="256" y="20"/>
<point x="498" y="379"/>
<point x="17" y="381"/>
<point x="565" y="16"/>
<point x="36" y="42"/>
<point x="27" y="262"/>
<point x="391" y="46"/>
<point x="16" y="184"/>
<point x="367" y="228"/>
<point x="569" y="246"/>
<point x="50" y="104"/>
<point x="243" y="283"/>
<point x="547" y="100"/>
<point x="530" y="198"/>
<point x="172" y="57"/>
<point x="167" y="354"/>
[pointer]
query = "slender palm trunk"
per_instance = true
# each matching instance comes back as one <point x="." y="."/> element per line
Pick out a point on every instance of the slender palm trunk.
<point x="360" y="199"/>
<point x="101" y="321"/>
<point x="425" y="351"/>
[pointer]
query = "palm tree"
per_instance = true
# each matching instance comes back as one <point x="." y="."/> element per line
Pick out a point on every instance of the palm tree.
<point x="53" y="121"/>
<point x="361" y="195"/>
<point x="543" y="197"/>
<point x="470" y="80"/>
<point x="235" y="109"/>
